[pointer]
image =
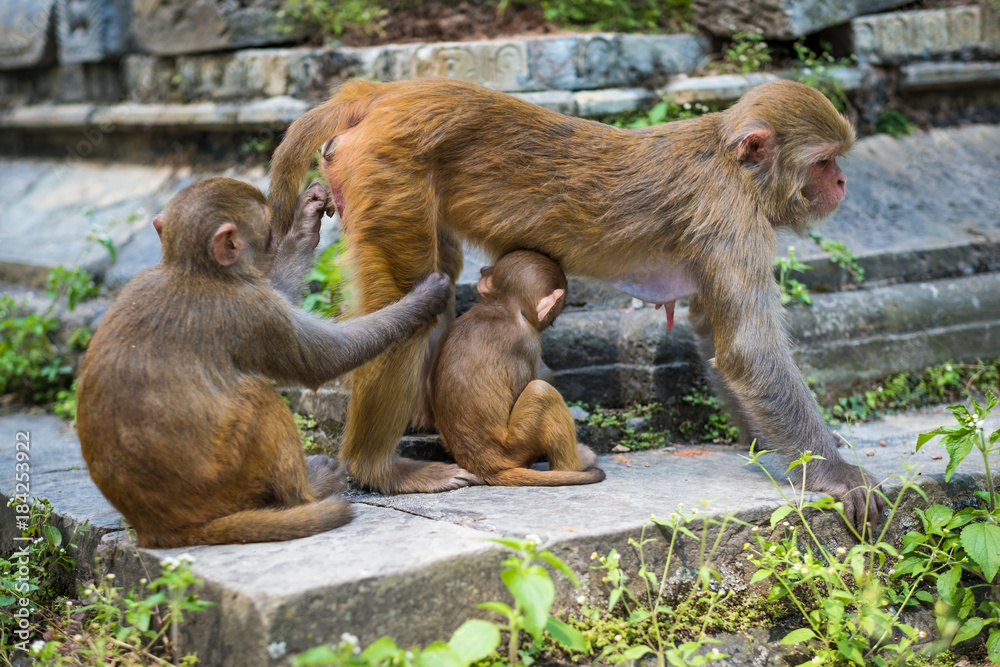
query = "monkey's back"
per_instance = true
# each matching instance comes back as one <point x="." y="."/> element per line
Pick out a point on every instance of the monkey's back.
<point x="482" y="365"/>
<point x="158" y="392"/>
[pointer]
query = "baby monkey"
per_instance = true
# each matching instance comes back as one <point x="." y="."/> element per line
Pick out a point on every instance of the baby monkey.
<point x="494" y="415"/>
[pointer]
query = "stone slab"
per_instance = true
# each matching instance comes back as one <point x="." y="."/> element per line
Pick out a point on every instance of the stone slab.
<point x="414" y="566"/>
<point x="27" y="34"/>
<point x="91" y="31"/>
<point x="925" y="76"/>
<point x="897" y="36"/>
<point x="781" y="19"/>
<point x="117" y="198"/>
<point x="170" y="27"/>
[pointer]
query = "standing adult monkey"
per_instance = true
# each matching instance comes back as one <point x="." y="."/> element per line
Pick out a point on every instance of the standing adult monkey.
<point x="684" y="208"/>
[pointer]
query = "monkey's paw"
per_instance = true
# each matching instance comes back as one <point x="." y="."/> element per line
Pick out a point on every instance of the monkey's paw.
<point x="411" y="476"/>
<point x="326" y="475"/>
<point x="309" y="209"/>
<point x="434" y="292"/>
<point x="855" y="487"/>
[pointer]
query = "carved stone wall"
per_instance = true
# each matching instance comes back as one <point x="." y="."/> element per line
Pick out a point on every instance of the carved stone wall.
<point x="906" y="35"/>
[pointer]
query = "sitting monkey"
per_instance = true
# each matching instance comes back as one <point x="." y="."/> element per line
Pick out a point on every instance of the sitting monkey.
<point x="179" y="423"/>
<point x="494" y="415"/>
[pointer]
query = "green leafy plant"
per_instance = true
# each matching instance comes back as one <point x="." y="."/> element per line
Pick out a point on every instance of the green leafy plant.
<point x="894" y="123"/>
<point x="840" y="255"/>
<point x="747" y="52"/>
<point x="654" y="621"/>
<point x="631" y="438"/>
<point x="326" y="282"/>
<point x="533" y="593"/>
<point x="935" y="383"/>
<point x="335" y="17"/>
<point x="76" y="284"/>
<point x="815" y="70"/>
<point x="716" y="426"/>
<point x="615" y="15"/>
<point x="30" y="365"/>
<point x="791" y="289"/>
<point x="664" y="111"/>
<point x="112" y="627"/>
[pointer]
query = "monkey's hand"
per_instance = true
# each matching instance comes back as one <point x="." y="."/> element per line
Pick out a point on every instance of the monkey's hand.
<point x="852" y="485"/>
<point x="432" y="294"/>
<point x="309" y="209"/>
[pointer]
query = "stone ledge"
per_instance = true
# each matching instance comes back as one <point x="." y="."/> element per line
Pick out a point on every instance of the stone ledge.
<point x="920" y="76"/>
<point x="415" y="566"/>
<point x="899" y="36"/>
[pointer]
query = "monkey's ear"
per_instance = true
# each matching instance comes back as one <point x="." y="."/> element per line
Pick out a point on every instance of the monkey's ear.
<point x="158" y="226"/>
<point x="485" y="284"/>
<point x="546" y="302"/>
<point x="757" y="146"/>
<point x="226" y="244"/>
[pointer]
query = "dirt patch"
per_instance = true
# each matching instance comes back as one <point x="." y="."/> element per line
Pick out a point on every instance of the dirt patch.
<point x="438" y="22"/>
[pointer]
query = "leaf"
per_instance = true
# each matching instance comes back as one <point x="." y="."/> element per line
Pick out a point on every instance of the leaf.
<point x="969" y="629"/>
<point x="938" y="516"/>
<point x="924" y="596"/>
<point x="636" y="652"/>
<point x="760" y="575"/>
<point x="558" y="564"/>
<point x="52" y="536"/>
<point x="797" y="636"/>
<point x="849" y="650"/>
<point x="958" y="448"/>
<point x="613" y="598"/>
<point x="947" y="584"/>
<point x="536" y="595"/>
<point x="380" y="649"/>
<point x="318" y="655"/>
<point x="567" y="635"/>
<point x="993" y="646"/>
<point x="439" y="654"/>
<point x="981" y="542"/>
<point x="475" y="640"/>
<point x="779" y="514"/>
<point x="941" y="430"/>
<point x="638" y="616"/>
<point x="497" y="606"/>
<point x="994" y="436"/>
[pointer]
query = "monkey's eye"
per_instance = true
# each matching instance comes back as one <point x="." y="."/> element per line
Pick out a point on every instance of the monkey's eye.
<point x="825" y="162"/>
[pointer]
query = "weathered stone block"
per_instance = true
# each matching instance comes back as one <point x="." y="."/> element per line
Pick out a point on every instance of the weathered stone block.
<point x="91" y="31"/>
<point x="168" y="27"/>
<point x="502" y="65"/>
<point x="149" y="78"/>
<point x="611" y="101"/>
<point x="901" y="35"/>
<point x="27" y="33"/>
<point x="553" y="100"/>
<point x="781" y="19"/>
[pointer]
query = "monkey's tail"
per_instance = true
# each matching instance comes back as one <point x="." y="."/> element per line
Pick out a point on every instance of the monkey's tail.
<point x="532" y="477"/>
<point x="304" y="136"/>
<point x="271" y="525"/>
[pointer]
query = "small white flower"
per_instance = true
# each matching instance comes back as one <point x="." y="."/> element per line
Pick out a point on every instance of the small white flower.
<point x="618" y="556"/>
<point x="409" y="655"/>
<point x="276" y="650"/>
<point x="170" y="563"/>
<point x="110" y="576"/>
<point x="772" y="549"/>
<point x="785" y="524"/>
<point x="580" y="599"/>
<point x="534" y="540"/>
<point x="841" y="551"/>
<point x="37" y="646"/>
<point x="593" y="556"/>
<point x="746" y="545"/>
<point x="687" y="105"/>
<point x="680" y="506"/>
<point x="143" y="581"/>
<point x="921" y="633"/>
<point x="754" y="529"/>
<point x="694" y="511"/>
<point x="77" y="637"/>
<point x="618" y="638"/>
<point x="69" y="603"/>
<point x="186" y="558"/>
<point x="816" y="660"/>
<point x="349" y="638"/>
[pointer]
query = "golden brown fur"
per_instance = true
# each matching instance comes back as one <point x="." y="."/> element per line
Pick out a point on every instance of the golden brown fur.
<point x="495" y="416"/>
<point x="681" y="208"/>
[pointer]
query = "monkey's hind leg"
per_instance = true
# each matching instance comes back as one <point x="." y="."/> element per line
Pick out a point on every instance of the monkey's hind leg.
<point x="540" y="423"/>
<point x="383" y="394"/>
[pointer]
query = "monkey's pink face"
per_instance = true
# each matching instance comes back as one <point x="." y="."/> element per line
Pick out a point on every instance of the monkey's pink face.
<point x="827" y="186"/>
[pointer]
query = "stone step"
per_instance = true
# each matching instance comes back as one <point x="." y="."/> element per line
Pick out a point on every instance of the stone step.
<point x="415" y="566"/>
